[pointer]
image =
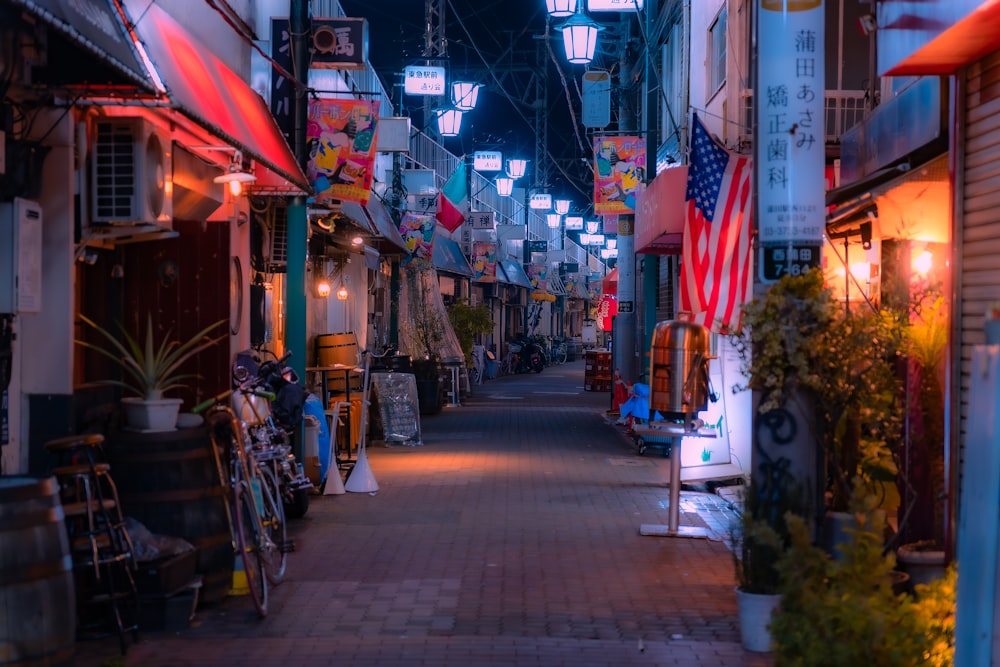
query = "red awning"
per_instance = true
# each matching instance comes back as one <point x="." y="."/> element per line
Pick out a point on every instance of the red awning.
<point x="201" y="87"/>
<point x="609" y="284"/>
<point x="659" y="214"/>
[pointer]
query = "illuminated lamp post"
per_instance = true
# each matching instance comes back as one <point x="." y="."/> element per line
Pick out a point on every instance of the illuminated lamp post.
<point x="464" y="95"/>
<point x="449" y="122"/>
<point x="562" y="206"/>
<point x="579" y="37"/>
<point x="516" y="167"/>
<point x="558" y="9"/>
<point x="505" y="185"/>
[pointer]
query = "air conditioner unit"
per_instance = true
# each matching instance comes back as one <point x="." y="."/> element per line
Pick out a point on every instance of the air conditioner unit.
<point x="130" y="166"/>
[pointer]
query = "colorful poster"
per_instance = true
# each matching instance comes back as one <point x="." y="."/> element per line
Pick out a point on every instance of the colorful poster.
<point x="538" y="275"/>
<point x="342" y="137"/>
<point x="619" y="174"/>
<point x="417" y="230"/>
<point x="484" y="261"/>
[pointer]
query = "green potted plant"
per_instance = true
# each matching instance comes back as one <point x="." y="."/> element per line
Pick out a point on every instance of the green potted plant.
<point x="149" y="370"/>
<point x="801" y="345"/>
<point x="467" y="321"/>
<point x="847" y="610"/>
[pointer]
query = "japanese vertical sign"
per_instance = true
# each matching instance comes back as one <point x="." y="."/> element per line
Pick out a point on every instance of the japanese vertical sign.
<point x="619" y="173"/>
<point x="341" y="136"/>
<point x="282" y="90"/>
<point x="791" y="150"/>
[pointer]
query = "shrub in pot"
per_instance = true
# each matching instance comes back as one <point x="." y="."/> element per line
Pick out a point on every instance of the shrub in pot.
<point x="150" y="369"/>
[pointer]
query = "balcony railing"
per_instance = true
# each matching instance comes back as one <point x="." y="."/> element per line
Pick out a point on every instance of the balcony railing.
<point x="843" y="110"/>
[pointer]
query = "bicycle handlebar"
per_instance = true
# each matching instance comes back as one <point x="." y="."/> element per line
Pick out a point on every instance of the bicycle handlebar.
<point x="209" y="402"/>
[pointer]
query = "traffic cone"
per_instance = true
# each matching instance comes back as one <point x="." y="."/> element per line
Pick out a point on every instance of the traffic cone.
<point x="240" y="585"/>
<point x="361" y="479"/>
<point x="333" y="486"/>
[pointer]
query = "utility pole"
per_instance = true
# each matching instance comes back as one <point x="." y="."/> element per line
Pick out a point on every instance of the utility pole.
<point x="298" y="221"/>
<point x="624" y="334"/>
<point x="436" y="52"/>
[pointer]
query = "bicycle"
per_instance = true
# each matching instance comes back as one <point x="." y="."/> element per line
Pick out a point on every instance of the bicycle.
<point x="253" y="506"/>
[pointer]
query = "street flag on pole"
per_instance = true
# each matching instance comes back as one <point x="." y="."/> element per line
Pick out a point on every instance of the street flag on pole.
<point x="453" y="200"/>
<point x="716" y="258"/>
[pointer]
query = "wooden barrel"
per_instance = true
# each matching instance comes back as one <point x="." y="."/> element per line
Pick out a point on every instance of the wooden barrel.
<point x="36" y="575"/>
<point x="168" y="481"/>
<point x="337" y="348"/>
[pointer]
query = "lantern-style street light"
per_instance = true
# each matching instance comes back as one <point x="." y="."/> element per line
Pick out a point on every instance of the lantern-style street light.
<point x="558" y="9"/>
<point x="464" y="95"/>
<point x="516" y="167"/>
<point x="505" y="185"/>
<point x="553" y="220"/>
<point x="562" y="206"/>
<point x="449" y="122"/>
<point x="579" y="37"/>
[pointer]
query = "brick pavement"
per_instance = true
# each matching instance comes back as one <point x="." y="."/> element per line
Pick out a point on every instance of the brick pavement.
<point x="509" y="537"/>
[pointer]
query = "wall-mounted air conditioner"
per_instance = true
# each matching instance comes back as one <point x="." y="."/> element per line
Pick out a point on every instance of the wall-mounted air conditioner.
<point x="130" y="167"/>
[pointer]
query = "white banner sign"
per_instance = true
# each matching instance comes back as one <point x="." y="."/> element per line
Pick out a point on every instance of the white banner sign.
<point x="791" y="145"/>
<point x="423" y="80"/>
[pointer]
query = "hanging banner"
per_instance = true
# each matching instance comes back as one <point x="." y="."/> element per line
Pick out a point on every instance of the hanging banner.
<point x="484" y="262"/>
<point x="537" y="275"/>
<point x="342" y="136"/>
<point x="619" y="173"/>
<point x="417" y="230"/>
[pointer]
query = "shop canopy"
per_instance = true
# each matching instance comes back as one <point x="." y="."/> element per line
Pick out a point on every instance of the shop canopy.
<point x="659" y="214"/>
<point x="201" y="87"/>
<point x="511" y="272"/>
<point x="448" y="257"/>
<point x="96" y="27"/>
<point x="609" y="284"/>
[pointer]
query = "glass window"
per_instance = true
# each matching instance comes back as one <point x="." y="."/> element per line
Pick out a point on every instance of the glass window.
<point x="717" y="53"/>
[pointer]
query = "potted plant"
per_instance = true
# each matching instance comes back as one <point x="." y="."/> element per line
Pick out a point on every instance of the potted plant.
<point x="149" y="370"/>
<point x="467" y="321"/>
<point x="802" y="346"/>
<point x="847" y="611"/>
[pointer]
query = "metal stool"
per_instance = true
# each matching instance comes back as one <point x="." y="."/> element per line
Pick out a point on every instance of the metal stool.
<point x="103" y="555"/>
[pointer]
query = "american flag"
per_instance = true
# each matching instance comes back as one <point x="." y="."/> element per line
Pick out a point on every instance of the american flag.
<point x="716" y="259"/>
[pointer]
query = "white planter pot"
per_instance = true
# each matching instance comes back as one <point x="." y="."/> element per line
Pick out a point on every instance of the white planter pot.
<point x="755" y="615"/>
<point x="151" y="416"/>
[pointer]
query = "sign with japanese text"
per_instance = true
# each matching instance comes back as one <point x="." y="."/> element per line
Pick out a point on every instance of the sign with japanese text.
<point x="791" y="150"/>
<point x="540" y="201"/>
<point x="341" y="137"/>
<point x="339" y="43"/>
<point x="487" y="160"/>
<point x="614" y="5"/>
<point x="423" y="80"/>
<point x="481" y="220"/>
<point x="619" y="174"/>
<point x="282" y="90"/>
<point x="779" y="259"/>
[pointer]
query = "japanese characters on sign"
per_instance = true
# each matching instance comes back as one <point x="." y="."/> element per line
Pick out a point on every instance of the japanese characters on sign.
<point x="339" y="43"/>
<point x="619" y="173"/>
<point x="282" y="90"/>
<point x="341" y="136"/>
<point x="791" y="151"/>
<point x="423" y="80"/>
<point x="487" y="161"/>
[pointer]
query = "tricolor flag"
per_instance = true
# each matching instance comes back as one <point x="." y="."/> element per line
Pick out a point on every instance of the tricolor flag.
<point x="716" y="259"/>
<point x="453" y="200"/>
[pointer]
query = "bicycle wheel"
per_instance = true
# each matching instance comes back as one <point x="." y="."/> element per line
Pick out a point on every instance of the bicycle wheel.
<point x="275" y="526"/>
<point x="248" y="538"/>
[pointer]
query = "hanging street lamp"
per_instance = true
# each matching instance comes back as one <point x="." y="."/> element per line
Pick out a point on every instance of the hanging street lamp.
<point x="558" y="9"/>
<point x="516" y="167"/>
<point x="553" y="220"/>
<point x="579" y="37"/>
<point x="464" y="95"/>
<point x="505" y="185"/>
<point x="562" y="206"/>
<point x="449" y="122"/>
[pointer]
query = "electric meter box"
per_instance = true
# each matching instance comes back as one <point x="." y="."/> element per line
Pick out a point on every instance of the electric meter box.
<point x="20" y="257"/>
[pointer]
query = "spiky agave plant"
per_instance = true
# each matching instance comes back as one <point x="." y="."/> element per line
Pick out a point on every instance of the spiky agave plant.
<point x="152" y="368"/>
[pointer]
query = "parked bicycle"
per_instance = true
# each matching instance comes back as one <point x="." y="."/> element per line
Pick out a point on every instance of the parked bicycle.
<point x="254" y="510"/>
